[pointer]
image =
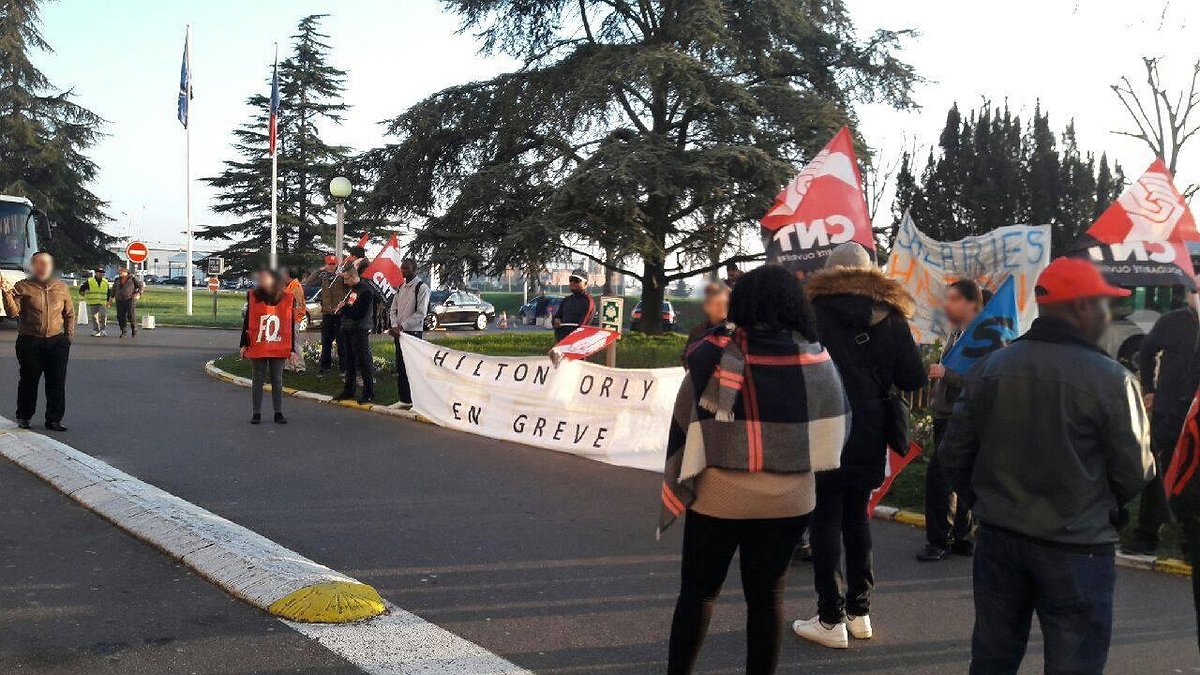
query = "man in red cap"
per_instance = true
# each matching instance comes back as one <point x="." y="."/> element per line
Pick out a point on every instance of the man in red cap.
<point x="333" y="291"/>
<point x="1048" y="443"/>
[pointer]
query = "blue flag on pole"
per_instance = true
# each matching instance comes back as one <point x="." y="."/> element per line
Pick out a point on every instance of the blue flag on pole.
<point x="994" y="327"/>
<point x="185" y="80"/>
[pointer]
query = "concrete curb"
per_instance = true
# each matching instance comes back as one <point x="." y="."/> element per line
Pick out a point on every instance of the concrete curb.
<point x="244" y="563"/>
<point x="213" y="371"/>
<point x="1139" y="562"/>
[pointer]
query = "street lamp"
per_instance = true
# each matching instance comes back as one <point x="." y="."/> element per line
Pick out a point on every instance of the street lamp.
<point x="340" y="189"/>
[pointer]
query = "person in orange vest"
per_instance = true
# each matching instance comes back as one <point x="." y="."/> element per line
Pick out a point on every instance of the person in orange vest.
<point x="268" y="338"/>
<point x="293" y="287"/>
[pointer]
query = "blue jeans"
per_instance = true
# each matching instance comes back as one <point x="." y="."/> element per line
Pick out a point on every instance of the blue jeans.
<point x="1071" y="592"/>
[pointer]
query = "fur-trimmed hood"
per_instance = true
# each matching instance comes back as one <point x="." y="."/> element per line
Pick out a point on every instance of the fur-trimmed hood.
<point x="869" y="284"/>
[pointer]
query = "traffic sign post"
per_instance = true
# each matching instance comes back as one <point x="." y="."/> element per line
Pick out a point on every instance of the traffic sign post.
<point x="136" y="253"/>
<point x="216" y="266"/>
<point x="214" y="285"/>
<point x="612" y="310"/>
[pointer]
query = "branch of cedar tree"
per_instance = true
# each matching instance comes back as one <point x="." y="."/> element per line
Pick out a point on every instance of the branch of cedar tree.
<point x="600" y="261"/>
<point x="709" y="268"/>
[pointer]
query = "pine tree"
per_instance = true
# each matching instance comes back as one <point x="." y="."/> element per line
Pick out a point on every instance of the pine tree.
<point x="310" y="92"/>
<point x="43" y="137"/>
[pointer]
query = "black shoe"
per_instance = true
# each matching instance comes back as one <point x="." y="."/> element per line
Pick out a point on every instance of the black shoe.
<point x="55" y="426"/>
<point x="365" y="399"/>
<point x="344" y="396"/>
<point x="1139" y="546"/>
<point x="256" y="418"/>
<point x="280" y="419"/>
<point x="932" y="553"/>
<point x="964" y="548"/>
<point x="24" y="424"/>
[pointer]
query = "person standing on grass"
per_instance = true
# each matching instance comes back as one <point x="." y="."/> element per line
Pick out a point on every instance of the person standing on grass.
<point x="407" y="315"/>
<point x="947" y="519"/>
<point x="862" y="319"/>
<point x="358" y="315"/>
<point x="94" y="291"/>
<point x="126" y="291"/>
<point x="760" y="409"/>
<point x="268" y="331"/>
<point x="1169" y="369"/>
<point x="45" y="315"/>
<point x="293" y="287"/>
<point x="333" y="289"/>
<point x="1047" y="444"/>
<point x="575" y="310"/>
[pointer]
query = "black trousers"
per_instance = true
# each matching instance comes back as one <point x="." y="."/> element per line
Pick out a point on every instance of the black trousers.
<point x="358" y="361"/>
<point x="765" y="548"/>
<point x="401" y="372"/>
<point x="1153" y="511"/>
<point x="37" y="357"/>
<point x="840" y="521"/>
<point x="127" y="314"/>
<point x="1071" y="593"/>
<point x="946" y="518"/>
<point x="331" y="335"/>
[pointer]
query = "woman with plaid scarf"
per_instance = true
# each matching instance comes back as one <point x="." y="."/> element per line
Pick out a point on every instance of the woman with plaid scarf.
<point x="761" y="409"/>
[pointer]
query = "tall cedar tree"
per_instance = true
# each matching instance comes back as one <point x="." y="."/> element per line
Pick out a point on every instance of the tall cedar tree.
<point x="310" y="93"/>
<point x="627" y="122"/>
<point x="43" y="137"/>
<point x="991" y="170"/>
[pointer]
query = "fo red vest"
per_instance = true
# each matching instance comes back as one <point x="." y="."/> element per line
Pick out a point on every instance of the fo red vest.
<point x="269" y="331"/>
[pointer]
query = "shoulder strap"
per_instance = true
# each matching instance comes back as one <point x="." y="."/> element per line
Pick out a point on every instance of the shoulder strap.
<point x="862" y="339"/>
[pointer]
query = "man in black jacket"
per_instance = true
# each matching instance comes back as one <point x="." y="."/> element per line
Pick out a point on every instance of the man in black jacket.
<point x="575" y="310"/>
<point x="1047" y="444"/>
<point x="357" y="314"/>
<point x="1170" y="374"/>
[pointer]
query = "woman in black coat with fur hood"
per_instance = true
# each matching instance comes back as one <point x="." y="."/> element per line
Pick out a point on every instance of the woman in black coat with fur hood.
<point x="862" y="318"/>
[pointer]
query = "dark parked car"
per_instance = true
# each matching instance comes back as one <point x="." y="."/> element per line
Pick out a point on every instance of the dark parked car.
<point x="668" y="316"/>
<point x="458" y="309"/>
<point x="536" y="308"/>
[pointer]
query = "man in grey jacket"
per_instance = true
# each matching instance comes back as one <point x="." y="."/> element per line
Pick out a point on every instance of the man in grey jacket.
<point x="407" y="315"/>
<point x="1047" y="444"/>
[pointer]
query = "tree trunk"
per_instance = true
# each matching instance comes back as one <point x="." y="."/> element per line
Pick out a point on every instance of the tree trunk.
<point x="654" y="288"/>
<point x="608" y="272"/>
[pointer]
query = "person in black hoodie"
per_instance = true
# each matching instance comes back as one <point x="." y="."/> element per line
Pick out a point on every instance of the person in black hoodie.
<point x="357" y="312"/>
<point x="862" y="320"/>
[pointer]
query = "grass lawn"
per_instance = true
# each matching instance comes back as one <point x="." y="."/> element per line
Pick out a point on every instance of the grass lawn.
<point x="168" y="304"/>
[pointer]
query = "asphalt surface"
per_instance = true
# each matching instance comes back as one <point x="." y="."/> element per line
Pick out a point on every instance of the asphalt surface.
<point x="546" y="559"/>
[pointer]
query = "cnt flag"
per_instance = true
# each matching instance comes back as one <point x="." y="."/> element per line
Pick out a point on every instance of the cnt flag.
<point x="384" y="271"/>
<point x="1141" y="239"/>
<point x="273" y="132"/>
<point x="185" y="80"/>
<point x="822" y="207"/>
<point x="895" y="464"/>
<point x="997" y="325"/>
<point x="582" y="343"/>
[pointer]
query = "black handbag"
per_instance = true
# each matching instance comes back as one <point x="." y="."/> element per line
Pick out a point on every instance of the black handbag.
<point x="897" y="414"/>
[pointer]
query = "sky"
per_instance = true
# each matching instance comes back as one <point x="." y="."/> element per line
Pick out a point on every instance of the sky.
<point x="121" y="58"/>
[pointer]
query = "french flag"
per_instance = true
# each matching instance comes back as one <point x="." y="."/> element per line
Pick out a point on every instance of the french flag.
<point x="273" y="133"/>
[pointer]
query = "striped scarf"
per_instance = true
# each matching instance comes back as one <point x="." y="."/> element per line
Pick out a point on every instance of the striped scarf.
<point x="756" y="402"/>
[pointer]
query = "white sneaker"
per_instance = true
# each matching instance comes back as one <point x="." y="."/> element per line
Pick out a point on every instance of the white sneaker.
<point x="97" y="334"/>
<point x="860" y="626"/>
<point x="827" y="636"/>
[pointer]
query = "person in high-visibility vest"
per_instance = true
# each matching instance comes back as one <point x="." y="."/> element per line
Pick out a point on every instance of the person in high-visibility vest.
<point x="268" y="334"/>
<point x="293" y="287"/>
<point x="95" y="292"/>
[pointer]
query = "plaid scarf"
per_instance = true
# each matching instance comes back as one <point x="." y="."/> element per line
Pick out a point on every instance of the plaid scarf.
<point x="756" y="402"/>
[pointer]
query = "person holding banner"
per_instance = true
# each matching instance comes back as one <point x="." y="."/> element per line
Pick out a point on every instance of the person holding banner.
<point x="407" y="315"/>
<point x="575" y="310"/>
<point x="862" y="319"/>
<point x="357" y="311"/>
<point x="947" y="519"/>
<point x="761" y="408"/>
<point x="268" y="334"/>
<point x="1047" y="444"/>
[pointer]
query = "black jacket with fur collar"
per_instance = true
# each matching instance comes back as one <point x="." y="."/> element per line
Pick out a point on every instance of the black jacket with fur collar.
<point x="862" y="320"/>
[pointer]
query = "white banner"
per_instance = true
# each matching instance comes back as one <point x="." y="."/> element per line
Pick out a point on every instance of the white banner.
<point x="614" y="415"/>
<point x="926" y="266"/>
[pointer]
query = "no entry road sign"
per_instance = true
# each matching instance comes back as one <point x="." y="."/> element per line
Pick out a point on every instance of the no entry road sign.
<point x="137" y="252"/>
<point x="214" y="284"/>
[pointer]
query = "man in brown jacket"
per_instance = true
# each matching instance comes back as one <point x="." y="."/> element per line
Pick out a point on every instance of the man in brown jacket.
<point x="45" y="315"/>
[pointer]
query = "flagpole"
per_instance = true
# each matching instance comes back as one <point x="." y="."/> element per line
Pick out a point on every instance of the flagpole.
<point x="187" y="160"/>
<point x="275" y="181"/>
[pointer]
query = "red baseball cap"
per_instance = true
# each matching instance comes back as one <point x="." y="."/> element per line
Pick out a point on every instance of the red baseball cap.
<point x="1068" y="279"/>
<point x="331" y="260"/>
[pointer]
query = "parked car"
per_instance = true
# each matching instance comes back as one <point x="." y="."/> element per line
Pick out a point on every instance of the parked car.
<point x="458" y="309"/>
<point x="668" y="316"/>
<point x="175" y="281"/>
<point x="536" y="308"/>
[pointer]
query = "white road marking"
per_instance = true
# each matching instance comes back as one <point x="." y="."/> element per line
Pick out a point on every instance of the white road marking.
<point x="245" y="563"/>
<point x="402" y="643"/>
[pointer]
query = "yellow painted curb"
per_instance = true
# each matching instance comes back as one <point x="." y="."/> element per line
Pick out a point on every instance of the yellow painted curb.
<point x="1172" y="566"/>
<point x="909" y="518"/>
<point x="330" y="602"/>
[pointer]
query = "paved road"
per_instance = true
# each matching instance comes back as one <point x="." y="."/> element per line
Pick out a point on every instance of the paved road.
<point x="546" y="559"/>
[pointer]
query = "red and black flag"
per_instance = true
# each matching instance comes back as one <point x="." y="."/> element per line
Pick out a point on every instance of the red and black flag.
<point x="1141" y="239"/>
